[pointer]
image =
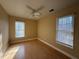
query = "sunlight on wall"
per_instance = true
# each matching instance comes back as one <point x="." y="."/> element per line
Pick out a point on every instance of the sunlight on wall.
<point x="1" y="54"/>
<point x="11" y="53"/>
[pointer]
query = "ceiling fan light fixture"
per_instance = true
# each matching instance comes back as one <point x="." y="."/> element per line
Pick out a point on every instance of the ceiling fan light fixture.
<point x="37" y="14"/>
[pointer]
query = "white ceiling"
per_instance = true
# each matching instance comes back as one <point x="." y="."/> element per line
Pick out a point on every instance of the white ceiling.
<point x="18" y="7"/>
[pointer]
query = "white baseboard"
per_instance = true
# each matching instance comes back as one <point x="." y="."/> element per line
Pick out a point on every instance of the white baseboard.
<point x="65" y="53"/>
<point x="24" y="40"/>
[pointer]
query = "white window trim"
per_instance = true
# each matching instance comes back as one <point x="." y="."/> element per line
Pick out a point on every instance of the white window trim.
<point x="63" y="44"/>
<point x="15" y="29"/>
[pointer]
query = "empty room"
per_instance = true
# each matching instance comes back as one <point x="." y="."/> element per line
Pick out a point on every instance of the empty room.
<point x="39" y="29"/>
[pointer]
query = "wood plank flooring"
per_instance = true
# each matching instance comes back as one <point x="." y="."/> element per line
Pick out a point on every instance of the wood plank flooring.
<point x="33" y="50"/>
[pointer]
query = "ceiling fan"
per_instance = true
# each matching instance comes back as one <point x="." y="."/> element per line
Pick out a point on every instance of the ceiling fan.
<point x="35" y="12"/>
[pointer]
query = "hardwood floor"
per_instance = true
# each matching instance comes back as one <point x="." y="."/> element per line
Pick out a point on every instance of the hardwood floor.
<point x="33" y="50"/>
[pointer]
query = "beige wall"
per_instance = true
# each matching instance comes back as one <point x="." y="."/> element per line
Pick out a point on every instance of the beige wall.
<point x="30" y="29"/>
<point x="4" y="29"/>
<point x="47" y="29"/>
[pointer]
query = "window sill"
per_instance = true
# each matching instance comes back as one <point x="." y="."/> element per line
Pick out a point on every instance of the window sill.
<point x="19" y="37"/>
<point x="64" y="44"/>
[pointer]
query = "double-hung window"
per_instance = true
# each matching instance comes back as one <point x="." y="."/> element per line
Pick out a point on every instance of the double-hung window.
<point x="64" y="31"/>
<point x="19" y="29"/>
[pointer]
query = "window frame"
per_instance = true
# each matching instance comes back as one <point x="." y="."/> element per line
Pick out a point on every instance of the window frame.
<point x="61" y="43"/>
<point x="24" y="28"/>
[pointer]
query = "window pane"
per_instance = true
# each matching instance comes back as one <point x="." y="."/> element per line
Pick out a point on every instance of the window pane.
<point x="65" y="30"/>
<point x="19" y="33"/>
<point x="20" y="30"/>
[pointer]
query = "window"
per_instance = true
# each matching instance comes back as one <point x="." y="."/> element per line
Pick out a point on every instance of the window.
<point x="65" y="30"/>
<point x="20" y="29"/>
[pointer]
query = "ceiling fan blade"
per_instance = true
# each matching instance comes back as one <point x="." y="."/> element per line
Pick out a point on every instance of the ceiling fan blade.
<point x="30" y="8"/>
<point x="40" y="8"/>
